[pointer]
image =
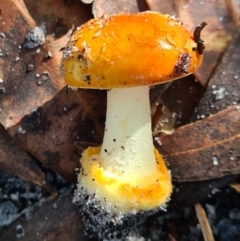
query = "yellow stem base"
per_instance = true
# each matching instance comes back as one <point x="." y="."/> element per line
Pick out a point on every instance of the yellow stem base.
<point x="125" y="194"/>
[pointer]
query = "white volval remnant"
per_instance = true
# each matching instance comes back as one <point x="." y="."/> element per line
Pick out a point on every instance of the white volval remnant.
<point x="219" y="93"/>
<point x="215" y="160"/>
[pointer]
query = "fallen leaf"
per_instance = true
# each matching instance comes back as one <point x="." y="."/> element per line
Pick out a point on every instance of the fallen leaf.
<point x="15" y="161"/>
<point x="60" y="19"/>
<point x="57" y="219"/>
<point x="205" y="149"/>
<point x="224" y="88"/>
<point x="57" y="132"/>
<point x="117" y="6"/>
<point x="175" y="105"/>
<point x="234" y="6"/>
<point x="165" y="7"/>
<point x="189" y="193"/>
<point x="30" y="77"/>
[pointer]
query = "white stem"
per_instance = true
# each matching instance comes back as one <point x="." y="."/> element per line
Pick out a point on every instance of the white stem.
<point x="127" y="145"/>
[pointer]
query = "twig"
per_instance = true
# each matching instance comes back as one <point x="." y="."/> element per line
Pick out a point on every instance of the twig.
<point x="156" y="116"/>
<point x="236" y="187"/>
<point x="204" y="224"/>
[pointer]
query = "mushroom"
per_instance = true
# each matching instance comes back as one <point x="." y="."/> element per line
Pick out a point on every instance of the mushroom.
<point x="126" y="54"/>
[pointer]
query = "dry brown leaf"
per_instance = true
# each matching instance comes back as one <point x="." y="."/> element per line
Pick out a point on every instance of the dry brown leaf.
<point x="100" y="7"/>
<point x="60" y="19"/>
<point x="205" y="149"/>
<point x="224" y="87"/>
<point x="234" y="6"/>
<point x="165" y="7"/>
<point x="58" y="219"/>
<point x="189" y="193"/>
<point x="22" y="91"/>
<point x="17" y="162"/>
<point x="217" y="35"/>
<point x="176" y="104"/>
<point x="57" y="132"/>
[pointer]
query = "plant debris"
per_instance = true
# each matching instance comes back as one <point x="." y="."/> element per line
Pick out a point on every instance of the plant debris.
<point x="35" y="37"/>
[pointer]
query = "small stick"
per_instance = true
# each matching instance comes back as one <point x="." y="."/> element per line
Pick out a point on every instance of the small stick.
<point x="236" y="187"/>
<point x="156" y="116"/>
<point x="204" y="224"/>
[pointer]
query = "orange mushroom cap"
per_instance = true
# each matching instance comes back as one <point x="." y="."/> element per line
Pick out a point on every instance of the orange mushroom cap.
<point x="150" y="48"/>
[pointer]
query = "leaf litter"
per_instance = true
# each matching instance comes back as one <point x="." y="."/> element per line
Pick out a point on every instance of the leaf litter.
<point x="202" y="115"/>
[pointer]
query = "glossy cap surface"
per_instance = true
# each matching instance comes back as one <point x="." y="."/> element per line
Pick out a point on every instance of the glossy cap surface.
<point x="129" y="50"/>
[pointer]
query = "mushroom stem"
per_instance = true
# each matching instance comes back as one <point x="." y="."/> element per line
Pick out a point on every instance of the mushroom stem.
<point x="127" y="144"/>
<point x="126" y="174"/>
